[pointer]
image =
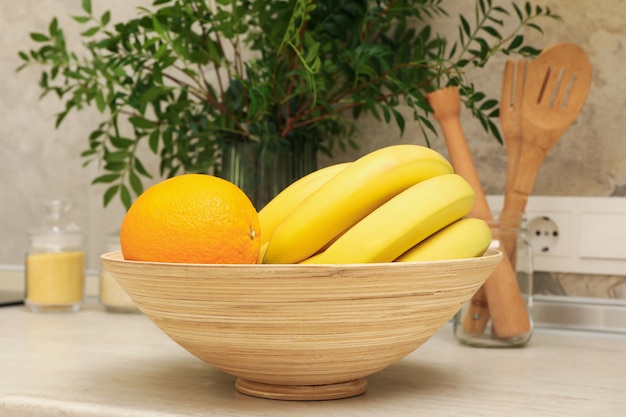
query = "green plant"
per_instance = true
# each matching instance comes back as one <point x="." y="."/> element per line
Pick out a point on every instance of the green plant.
<point x="189" y="75"/>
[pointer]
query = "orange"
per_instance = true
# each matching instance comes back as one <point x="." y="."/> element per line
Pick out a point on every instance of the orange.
<point x="191" y="218"/>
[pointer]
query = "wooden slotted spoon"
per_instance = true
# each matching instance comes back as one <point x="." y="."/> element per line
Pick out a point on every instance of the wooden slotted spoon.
<point x="556" y="88"/>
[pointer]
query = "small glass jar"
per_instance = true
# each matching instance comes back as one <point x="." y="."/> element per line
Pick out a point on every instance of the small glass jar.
<point x="473" y="325"/>
<point x="112" y="296"/>
<point x="55" y="263"/>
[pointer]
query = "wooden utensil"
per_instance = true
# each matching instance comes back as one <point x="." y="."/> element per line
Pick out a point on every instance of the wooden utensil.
<point x="557" y="84"/>
<point x="505" y="302"/>
<point x="511" y="95"/>
<point x="511" y="123"/>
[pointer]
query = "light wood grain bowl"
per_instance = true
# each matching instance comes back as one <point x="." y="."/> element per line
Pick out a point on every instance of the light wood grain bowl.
<point x="301" y="332"/>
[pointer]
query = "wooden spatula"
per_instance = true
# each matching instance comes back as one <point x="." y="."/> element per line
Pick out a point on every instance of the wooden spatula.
<point x="556" y="88"/>
<point x="506" y="305"/>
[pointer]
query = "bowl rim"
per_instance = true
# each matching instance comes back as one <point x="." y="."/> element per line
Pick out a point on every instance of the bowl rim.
<point x="489" y="255"/>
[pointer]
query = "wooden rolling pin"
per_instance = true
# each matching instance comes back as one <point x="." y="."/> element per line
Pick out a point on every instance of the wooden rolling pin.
<point x="503" y="298"/>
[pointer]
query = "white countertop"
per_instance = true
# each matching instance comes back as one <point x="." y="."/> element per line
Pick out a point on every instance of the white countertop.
<point x="101" y="364"/>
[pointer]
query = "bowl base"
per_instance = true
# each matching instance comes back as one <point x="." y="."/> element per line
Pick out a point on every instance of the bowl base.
<point x="302" y="392"/>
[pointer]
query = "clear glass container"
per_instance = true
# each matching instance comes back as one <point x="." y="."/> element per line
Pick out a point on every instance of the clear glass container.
<point x="473" y="324"/>
<point x="55" y="263"/>
<point x="112" y="296"/>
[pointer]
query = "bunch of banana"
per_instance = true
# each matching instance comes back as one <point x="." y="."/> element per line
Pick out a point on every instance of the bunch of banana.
<point x="380" y="208"/>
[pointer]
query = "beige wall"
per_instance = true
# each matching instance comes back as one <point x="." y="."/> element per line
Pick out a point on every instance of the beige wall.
<point x="38" y="162"/>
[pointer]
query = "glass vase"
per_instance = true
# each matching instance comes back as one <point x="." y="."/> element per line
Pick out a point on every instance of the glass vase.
<point x="262" y="170"/>
<point x="473" y="325"/>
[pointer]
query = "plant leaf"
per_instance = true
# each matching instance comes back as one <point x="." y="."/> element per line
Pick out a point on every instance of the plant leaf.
<point x="135" y="182"/>
<point x="109" y="194"/>
<point x="105" y="179"/>
<point x="86" y="4"/>
<point x="39" y="37"/>
<point x="90" y="32"/>
<point x="142" y="123"/>
<point x="125" y="196"/>
<point x="106" y="18"/>
<point x="82" y="19"/>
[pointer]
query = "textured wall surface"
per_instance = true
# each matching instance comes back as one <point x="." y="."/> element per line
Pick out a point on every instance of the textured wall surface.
<point x="38" y="163"/>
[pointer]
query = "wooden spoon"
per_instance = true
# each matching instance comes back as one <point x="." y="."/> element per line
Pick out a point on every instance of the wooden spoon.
<point x="557" y="84"/>
<point x="506" y="305"/>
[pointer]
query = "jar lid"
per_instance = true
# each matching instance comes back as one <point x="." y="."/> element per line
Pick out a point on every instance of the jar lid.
<point x="112" y="242"/>
<point x="55" y="232"/>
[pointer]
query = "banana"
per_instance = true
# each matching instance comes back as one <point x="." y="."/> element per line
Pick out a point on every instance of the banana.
<point x="262" y="251"/>
<point x="279" y="207"/>
<point x="314" y="259"/>
<point x="402" y="222"/>
<point x="465" y="238"/>
<point x="349" y="196"/>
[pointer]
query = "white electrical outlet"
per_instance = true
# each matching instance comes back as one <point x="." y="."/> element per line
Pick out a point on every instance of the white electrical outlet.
<point x="549" y="232"/>
<point x="575" y="234"/>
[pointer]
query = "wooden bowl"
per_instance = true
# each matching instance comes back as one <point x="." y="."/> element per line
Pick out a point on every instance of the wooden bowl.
<point x="301" y="332"/>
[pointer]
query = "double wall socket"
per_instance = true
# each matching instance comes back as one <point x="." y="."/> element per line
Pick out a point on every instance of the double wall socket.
<point x="575" y="234"/>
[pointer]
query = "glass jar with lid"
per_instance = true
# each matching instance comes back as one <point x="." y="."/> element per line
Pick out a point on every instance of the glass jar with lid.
<point x="55" y="263"/>
<point x="112" y="296"/>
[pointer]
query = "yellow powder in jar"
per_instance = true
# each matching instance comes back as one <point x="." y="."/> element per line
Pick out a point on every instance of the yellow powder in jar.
<point x="55" y="278"/>
<point x="113" y="296"/>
